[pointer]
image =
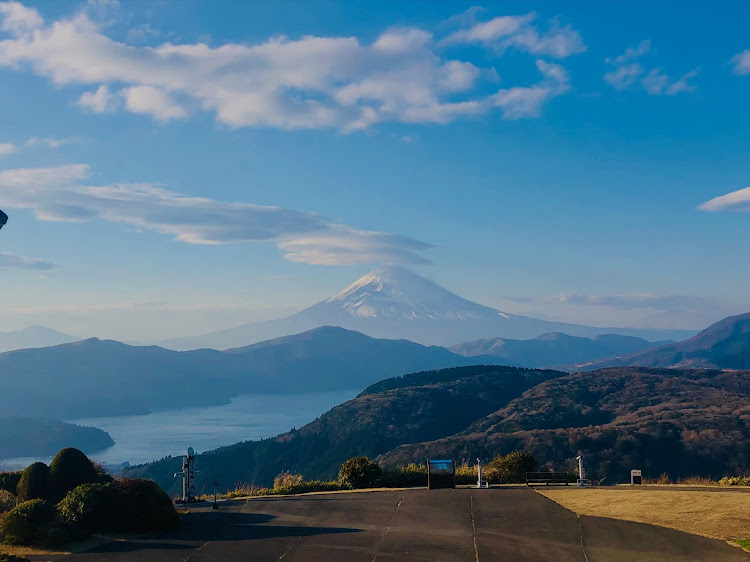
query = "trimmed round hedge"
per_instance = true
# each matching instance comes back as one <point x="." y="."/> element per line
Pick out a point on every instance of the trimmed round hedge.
<point x="34" y="482"/>
<point x="69" y="468"/>
<point x="127" y="505"/>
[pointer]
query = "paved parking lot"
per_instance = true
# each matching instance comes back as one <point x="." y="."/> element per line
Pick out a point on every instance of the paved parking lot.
<point x="462" y="525"/>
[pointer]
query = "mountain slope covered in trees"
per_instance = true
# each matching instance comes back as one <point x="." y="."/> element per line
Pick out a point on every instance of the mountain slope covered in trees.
<point x="683" y="422"/>
<point x="414" y="408"/>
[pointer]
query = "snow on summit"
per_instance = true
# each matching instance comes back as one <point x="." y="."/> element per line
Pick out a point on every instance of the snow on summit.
<point x="397" y="292"/>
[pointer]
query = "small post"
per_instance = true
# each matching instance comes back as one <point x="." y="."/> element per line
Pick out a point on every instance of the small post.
<point x="581" y="476"/>
<point x="216" y="505"/>
<point x="479" y="473"/>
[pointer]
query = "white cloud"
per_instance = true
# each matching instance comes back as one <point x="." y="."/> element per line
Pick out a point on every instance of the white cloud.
<point x="624" y="76"/>
<point x="741" y="62"/>
<point x="158" y="104"/>
<point x="99" y="101"/>
<point x="658" y="83"/>
<point x="62" y="194"/>
<point x="628" y="72"/>
<point x="631" y="53"/>
<point x="9" y="260"/>
<point x="309" y="82"/>
<point x="505" y="32"/>
<point x="17" y="18"/>
<point x="7" y="148"/>
<point x="735" y="201"/>
<point x="520" y="102"/>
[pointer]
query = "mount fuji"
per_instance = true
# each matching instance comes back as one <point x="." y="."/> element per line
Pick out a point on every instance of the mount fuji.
<point x="393" y="302"/>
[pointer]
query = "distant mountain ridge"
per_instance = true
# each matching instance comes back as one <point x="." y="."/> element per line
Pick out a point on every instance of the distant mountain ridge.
<point x="724" y="345"/>
<point x="33" y="336"/>
<point x="554" y="349"/>
<point x="104" y="378"/>
<point x="393" y="302"/>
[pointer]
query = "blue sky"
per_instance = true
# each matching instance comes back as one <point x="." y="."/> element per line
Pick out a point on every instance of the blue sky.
<point x="172" y="169"/>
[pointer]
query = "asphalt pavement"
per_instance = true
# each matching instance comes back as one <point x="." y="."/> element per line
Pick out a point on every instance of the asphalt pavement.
<point x="449" y="525"/>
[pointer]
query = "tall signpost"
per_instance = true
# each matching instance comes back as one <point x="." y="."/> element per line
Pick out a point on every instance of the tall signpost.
<point x="581" y="473"/>
<point x="188" y="476"/>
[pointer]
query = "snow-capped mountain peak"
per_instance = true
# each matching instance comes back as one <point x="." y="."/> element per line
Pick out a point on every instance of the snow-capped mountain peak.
<point x="396" y="292"/>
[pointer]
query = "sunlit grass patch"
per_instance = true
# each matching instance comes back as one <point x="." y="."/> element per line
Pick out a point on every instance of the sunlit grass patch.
<point x="721" y="515"/>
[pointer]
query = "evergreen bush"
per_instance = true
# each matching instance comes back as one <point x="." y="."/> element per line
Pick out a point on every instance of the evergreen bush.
<point x="511" y="468"/>
<point x="33" y="522"/>
<point x="7" y="501"/>
<point x="143" y="506"/>
<point x="69" y="469"/>
<point x="34" y="482"/>
<point x="91" y="506"/>
<point x="359" y="472"/>
<point x="9" y="481"/>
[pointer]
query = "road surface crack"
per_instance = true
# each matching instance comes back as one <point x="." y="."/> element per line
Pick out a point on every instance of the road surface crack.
<point x="473" y="526"/>
<point x="387" y="528"/>
<point x="580" y="538"/>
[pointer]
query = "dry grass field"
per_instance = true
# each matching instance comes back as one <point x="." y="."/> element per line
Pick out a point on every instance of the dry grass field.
<point x="716" y="514"/>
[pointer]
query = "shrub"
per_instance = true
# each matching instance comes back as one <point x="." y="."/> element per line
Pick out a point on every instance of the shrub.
<point x="33" y="523"/>
<point x="466" y="474"/>
<point x="359" y="472"/>
<point x="12" y="558"/>
<point x="69" y="469"/>
<point x="9" y="481"/>
<point x="511" y="468"/>
<point x="34" y="482"/>
<point x="735" y="481"/>
<point x="127" y="505"/>
<point x="145" y="507"/>
<point x="287" y="480"/>
<point x="7" y="501"/>
<point x="409" y="476"/>
<point x="90" y="506"/>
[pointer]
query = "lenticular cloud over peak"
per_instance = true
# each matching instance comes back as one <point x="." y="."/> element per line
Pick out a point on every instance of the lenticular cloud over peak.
<point x="63" y="194"/>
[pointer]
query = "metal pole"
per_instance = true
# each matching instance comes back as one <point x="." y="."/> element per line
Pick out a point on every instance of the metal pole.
<point x="216" y="505"/>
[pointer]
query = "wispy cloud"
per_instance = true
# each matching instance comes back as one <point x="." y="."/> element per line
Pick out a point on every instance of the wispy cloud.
<point x="520" y="102"/>
<point x="49" y="142"/>
<point x="629" y="71"/>
<point x="735" y="201"/>
<point x="63" y="194"/>
<point x="310" y="82"/>
<point x="635" y="309"/>
<point x="641" y="301"/>
<point x="519" y="32"/>
<point x="741" y="63"/>
<point x="10" y="260"/>
<point x="7" y="148"/>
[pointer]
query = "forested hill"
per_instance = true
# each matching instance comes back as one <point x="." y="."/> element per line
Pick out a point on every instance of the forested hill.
<point x="41" y="437"/>
<point x="410" y="409"/>
<point x="683" y="422"/>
